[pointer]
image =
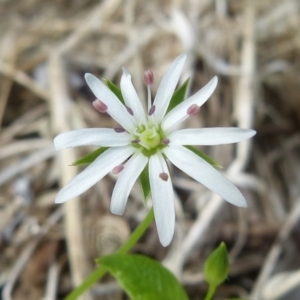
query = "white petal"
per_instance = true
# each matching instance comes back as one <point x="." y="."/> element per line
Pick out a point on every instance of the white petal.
<point x="177" y="114"/>
<point x="105" y="137"/>
<point x="203" y="172"/>
<point x="131" y="98"/>
<point x="167" y="87"/>
<point x="163" y="199"/>
<point x="94" y="172"/>
<point x="125" y="182"/>
<point x="209" y="136"/>
<point x="114" y="106"/>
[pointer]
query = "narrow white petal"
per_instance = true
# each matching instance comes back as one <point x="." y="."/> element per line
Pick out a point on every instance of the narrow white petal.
<point x="131" y="98"/>
<point x="94" y="172"/>
<point x="177" y="114"/>
<point x="105" y="137"/>
<point x="163" y="199"/>
<point x="209" y="136"/>
<point x="114" y="107"/>
<point x="203" y="172"/>
<point x="125" y="182"/>
<point x="167" y="87"/>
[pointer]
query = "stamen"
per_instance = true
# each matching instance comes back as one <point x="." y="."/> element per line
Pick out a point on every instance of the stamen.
<point x="193" y="110"/>
<point x="129" y="110"/>
<point x="119" y="129"/>
<point x="100" y="106"/>
<point x="118" y="169"/>
<point x="148" y="77"/>
<point x="165" y="141"/>
<point x="151" y="110"/>
<point x="164" y="176"/>
<point x="136" y="141"/>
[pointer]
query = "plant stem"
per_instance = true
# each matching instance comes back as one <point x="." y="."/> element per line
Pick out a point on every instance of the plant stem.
<point x="100" y="272"/>
<point x="210" y="293"/>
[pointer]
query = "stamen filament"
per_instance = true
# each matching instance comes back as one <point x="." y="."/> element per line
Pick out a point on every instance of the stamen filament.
<point x="149" y="97"/>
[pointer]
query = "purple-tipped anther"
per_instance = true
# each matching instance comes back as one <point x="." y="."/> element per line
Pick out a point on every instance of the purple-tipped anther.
<point x="151" y="110"/>
<point x="165" y="141"/>
<point x="193" y="110"/>
<point x="164" y="176"/>
<point x="148" y="77"/>
<point x="118" y="169"/>
<point x="119" y="129"/>
<point x="129" y="110"/>
<point x="100" y="106"/>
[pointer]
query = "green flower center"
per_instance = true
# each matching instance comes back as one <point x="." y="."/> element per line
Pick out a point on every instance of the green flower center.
<point x="150" y="139"/>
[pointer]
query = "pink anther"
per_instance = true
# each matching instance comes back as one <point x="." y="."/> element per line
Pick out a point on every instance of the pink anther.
<point x="119" y="129"/>
<point x="148" y="77"/>
<point x="164" y="176"/>
<point x="151" y="110"/>
<point x="129" y="110"/>
<point x="100" y="106"/>
<point x="165" y="141"/>
<point x="118" y="169"/>
<point x="193" y="110"/>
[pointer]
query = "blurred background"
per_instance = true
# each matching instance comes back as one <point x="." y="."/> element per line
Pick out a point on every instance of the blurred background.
<point x="45" y="49"/>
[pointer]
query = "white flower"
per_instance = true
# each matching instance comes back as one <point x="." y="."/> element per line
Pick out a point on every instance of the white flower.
<point x="150" y="138"/>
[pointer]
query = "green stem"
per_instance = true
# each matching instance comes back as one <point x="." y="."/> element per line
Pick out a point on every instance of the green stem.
<point x="100" y="272"/>
<point x="210" y="293"/>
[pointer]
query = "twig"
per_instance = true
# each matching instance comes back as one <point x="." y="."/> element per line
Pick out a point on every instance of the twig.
<point x="94" y="21"/>
<point x="7" y="54"/>
<point x="52" y="280"/>
<point x="24" y="80"/>
<point x="275" y="251"/>
<point x="22" y="122"/>
<point x="60" y="104"/>
<point x="19" y="147"/>
<point x="26" y="254"/>
<point x="28" y="162"/>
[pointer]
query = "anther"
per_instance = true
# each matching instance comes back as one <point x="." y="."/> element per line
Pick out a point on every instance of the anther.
<point x="151" y="110"/>
<point x="119" y="129"/>
<point x="136" y="141"/>
<point x="118" y="169"/>
<point x="164" y="176"/>
<point x="100" y="106"/>
<point x="193" y="110"/>
<point x="148" y="77"/>
<point x="165" y="141"/>
<point x="129" y="110"/>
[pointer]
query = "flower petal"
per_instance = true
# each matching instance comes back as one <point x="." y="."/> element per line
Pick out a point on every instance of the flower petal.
<point x="131" y="98"/>
<point x="105" y="137"/>
<point x="209" y="136"/>
<point x="163" y="199"/>
<point x="125" y="182"/>
<point x="176" y="115"/>
<point x="114" y="106"/>
<point x="167" y="87"/>
<point x="201" y="171"/>
<point x="94" y="172"/>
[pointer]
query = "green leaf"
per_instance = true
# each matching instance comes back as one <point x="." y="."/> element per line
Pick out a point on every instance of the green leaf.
<point x="179" y="95"/>
<point x="89" y="158"/>
<point x="216" y="267"/>
<point x="116" y="90"/>
<point x="143" y="278"/>
<point x="145" y="183"/>
<point x="204" y="156"/>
